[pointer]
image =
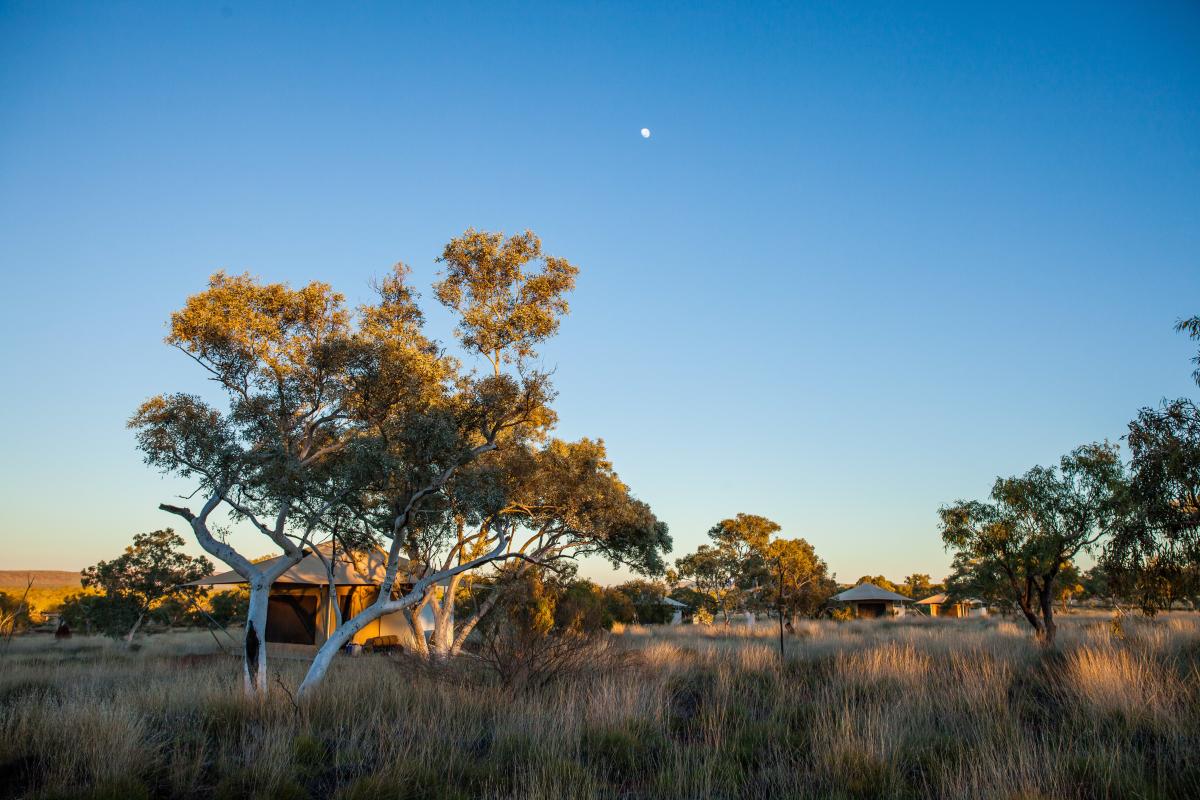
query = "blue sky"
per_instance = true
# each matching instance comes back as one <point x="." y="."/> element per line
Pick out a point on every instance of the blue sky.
<point x="871" y="257"/>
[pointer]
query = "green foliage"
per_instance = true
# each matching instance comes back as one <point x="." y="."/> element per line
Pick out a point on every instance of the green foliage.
<point x="230" y="606"/>
<point x="980" y="578"/>
<point x="918" y="586"/>
<point x="796" y="581"/>
<point x="540" y="630"/>
<point x="841" y="614"/>
<point x="1153" y="558"/>
<point x="640" y="601"/>
<point x="15" y="613"/>
<point x="583" y="605"/>
<point x="619" y="607"/>
<point x="504" y="309"/>
<point x="1034" y="524"/>
<point x="714" y="573"/>
<point x="570" y="502"/>
<point x="746" y="569"/>
<point x="110" y="615"/>
<point x="148" y="574"/>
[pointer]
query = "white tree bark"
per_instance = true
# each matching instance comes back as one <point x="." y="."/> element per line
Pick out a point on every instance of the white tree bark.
<point x="254" y="644"/>
<point x="386" y="605"/>
<point x="133" y="631"/>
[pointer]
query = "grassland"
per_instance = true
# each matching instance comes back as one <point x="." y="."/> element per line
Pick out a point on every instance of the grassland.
<point x="924" y="708"/>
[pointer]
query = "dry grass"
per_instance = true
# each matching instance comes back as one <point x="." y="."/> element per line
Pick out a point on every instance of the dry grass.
<point x="917" y="708"/>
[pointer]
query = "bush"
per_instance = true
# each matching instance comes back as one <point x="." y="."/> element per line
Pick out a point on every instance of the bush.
<point x="231" y="606"/>
<point x="113" y="615"/>
<point x="625" y="753"/>
<point x="15" y="614"/>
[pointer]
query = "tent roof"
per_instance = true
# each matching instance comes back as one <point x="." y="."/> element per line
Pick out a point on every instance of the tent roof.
<point x="869" y="591"/>
<point x="671" y="601"/>
<point x="349" y="569"/>
<point x="942" y="597"/>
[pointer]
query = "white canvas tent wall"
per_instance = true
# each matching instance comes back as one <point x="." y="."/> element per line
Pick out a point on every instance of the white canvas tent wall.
<point x="869" y="601"/>
<point x="940" y="605"/>
<point x="299" y="611"/>
<point x="677" y="617"/>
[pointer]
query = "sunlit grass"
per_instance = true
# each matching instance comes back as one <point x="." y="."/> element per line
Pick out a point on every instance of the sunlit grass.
<point x="908" y="708"/>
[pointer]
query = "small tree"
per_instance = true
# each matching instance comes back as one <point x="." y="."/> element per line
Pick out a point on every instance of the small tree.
<point x="981" y="578"/>
<point x="1154" y="555"/>
<point x="15" y="612"/>
<point x="1157" y="543"/>
<point x="731" y="572"/>
<point x="714" y="574"/>
<point x="798" y="582"/>
<point x="880" y="581"/>
<point x="918" y="586"/>
<point x="539" y="631"/>
<point x="1036" y="523"/>
<point x="150" y="571"/>
<point x="112" y="615"/>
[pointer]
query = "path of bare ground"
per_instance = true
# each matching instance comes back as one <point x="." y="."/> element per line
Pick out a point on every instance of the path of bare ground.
<point x="906" y="709"/>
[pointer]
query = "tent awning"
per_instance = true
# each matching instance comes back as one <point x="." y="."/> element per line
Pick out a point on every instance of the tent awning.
<point x="349" y="569"/>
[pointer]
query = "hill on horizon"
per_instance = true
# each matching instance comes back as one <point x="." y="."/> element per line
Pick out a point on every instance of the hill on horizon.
<point x="42" y="578"/>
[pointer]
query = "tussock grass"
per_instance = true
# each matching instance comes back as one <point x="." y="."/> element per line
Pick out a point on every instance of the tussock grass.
<point x="894" y="708"/>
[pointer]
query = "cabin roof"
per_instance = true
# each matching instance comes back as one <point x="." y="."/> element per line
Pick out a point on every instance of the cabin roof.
<point x="869" y="591"/>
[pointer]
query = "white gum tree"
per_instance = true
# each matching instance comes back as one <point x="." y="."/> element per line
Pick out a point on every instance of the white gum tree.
<point x="357" y="424"/>
<point x="424" y="420"/>
<point x="275" y="355"/>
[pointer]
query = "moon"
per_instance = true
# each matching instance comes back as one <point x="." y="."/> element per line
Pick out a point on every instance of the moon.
<point x="645" y="133"/>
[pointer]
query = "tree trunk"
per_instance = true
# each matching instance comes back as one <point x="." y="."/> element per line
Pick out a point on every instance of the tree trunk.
<point x="442" y="641"/>
<point x="1046" y="601"/>
<point x="487" y="605"/>
<point x="254" y="652"/>
<point x="1031" y="616"/>
<point x="336" y="641"/>
<point x="133" y="631"/>
<point x="412" y="616"/>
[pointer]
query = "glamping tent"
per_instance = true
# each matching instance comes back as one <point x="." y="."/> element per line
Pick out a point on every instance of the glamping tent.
<point x="940" y="605"/>
<point x="870" y="601"/>
<point x="677" y="616"/>
<point x="299" y="608"/>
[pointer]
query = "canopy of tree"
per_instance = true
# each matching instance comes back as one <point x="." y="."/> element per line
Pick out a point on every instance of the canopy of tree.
<point x="354" y="424"/>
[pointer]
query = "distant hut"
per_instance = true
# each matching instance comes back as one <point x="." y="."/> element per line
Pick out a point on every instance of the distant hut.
<point x="299" y="607"/>
<point x="678" y="607"/>
<point x="869" y="601"/>
<point x="942" y="605"/>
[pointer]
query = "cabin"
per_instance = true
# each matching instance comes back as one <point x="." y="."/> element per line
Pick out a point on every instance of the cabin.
<point x="941" y="605"/>
<point x="868" y="601"/>
<point x="300" y="609"/>
<point x="677" y="607"/>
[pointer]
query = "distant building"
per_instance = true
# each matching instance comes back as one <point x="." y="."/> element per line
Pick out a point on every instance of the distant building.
<point x="941" y="605"/>
<point x="299" y="608"/>
<point x="679" y="608"/>
<point x="869" y="601"/>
